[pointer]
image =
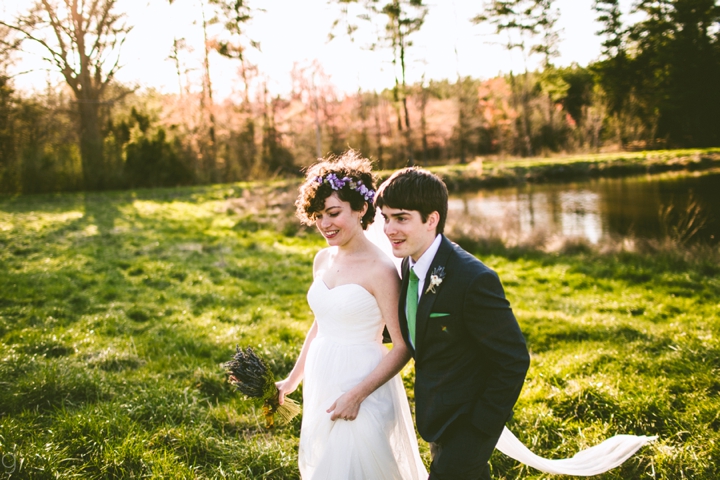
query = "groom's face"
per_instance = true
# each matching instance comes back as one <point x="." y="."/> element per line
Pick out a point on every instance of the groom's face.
<point x="408" y="234"/>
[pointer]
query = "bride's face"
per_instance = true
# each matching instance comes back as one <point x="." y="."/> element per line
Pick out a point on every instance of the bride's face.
<point x="338" y="222"/>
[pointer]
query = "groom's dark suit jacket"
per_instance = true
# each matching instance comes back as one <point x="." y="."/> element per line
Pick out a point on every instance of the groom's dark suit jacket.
<point x="470" y="356"/>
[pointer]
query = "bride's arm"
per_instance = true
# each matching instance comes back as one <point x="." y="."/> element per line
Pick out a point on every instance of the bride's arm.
<point x="290" y="384"/>
<point x="386" y="289"/>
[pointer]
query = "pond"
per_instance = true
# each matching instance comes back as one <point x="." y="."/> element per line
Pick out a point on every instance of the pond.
<point x="683" y="206"/>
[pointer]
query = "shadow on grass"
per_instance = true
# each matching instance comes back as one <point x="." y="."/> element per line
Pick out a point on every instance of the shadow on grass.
<point x="41" y="384"/>
<point x="546" y="335"/>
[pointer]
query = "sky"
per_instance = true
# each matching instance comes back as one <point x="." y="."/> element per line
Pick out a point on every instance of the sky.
<point x="292" y="31"/>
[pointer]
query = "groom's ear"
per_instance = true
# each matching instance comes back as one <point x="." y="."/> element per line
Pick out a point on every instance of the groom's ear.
<point x="432" y="221"/>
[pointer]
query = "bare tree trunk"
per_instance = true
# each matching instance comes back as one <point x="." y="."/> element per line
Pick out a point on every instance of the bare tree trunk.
<point x="408" y="131"/>
<point x="247" y="148"/>
<point x="517" y="103"/>
<point x="461" y="108"/>
<point x="362" y="106"/>
<point x="618" y="130"/>
<point x="378" y="132"/>
<point x="551" y="114"/>
<point x="318" y="127"/>
<point x="88" y="98"/>
<point x="396" y="40"/>
<point x="175" y="57"/>
<point x="91" y="144"/>
<point x="461" y="139"/>
<point x="525" y="112"/>
<point x="461" y="127"/>
<point x="400" y="153"/>
<point x="526" y="116"/>
<point x="208" y="108"/>
<point x="423" y="120"/>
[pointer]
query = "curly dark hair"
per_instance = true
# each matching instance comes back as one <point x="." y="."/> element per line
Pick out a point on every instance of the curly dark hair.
<point x="313" y="194"/>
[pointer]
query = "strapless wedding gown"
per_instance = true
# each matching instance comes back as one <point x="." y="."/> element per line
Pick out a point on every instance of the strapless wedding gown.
<point x="380" y="443"/>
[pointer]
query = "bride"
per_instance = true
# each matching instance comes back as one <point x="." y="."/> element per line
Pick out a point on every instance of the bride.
<point x="356" y="421"/>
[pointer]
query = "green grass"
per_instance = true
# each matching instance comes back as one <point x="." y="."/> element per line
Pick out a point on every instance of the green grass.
<point x="117" y="310"/>
<point x="620" y="344"/>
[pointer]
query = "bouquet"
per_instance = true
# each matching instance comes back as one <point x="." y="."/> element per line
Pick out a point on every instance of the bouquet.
<point x="252" y="377"/>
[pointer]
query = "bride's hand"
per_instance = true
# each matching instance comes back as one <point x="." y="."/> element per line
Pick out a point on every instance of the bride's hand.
<point x="285" y="387"/>
<point x="346" y="407"/>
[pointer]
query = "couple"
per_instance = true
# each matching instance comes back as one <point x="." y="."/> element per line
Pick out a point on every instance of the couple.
<point x="448" y="312"/>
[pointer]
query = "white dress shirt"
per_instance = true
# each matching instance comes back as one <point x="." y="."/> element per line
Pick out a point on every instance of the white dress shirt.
<point x="422" y="266"/>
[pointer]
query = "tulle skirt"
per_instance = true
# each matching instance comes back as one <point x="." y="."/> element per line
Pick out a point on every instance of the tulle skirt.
<point x="380" y="443"/>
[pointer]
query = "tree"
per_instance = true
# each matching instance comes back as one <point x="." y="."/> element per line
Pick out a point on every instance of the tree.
<point x="233" y="14"/>
<point x="82" y="40"/>
<point x="402" y="19"/>
<point x="311" y="86"/>
<point x="523" y="21"/>
<point x="662" y="72"/>
<point x="7" y="138"/>
<point x="380" y="127"/>
<point x="9" y="43"/>
<point x="179" y="45"/>
<point x="232" y="43"/>
<point x="244" y="149"/>
<point x="613" y="70"/>
<point x="275" y="158"/>
<point x="422" y="96"/>
<point x="677" y="43"/>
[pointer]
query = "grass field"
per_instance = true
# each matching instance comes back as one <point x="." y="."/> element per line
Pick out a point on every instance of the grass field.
<point x="117" y="310"/>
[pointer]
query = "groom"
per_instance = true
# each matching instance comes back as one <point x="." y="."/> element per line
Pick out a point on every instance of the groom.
<point x="470" y="356"/>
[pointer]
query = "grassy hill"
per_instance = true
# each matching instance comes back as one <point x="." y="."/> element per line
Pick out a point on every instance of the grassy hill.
<point x="118" y="309"/>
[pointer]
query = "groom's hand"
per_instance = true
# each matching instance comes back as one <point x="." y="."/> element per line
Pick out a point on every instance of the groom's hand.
<point x="346" y="407"/>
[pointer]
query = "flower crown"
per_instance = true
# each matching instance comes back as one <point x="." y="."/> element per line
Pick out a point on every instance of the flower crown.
<point x="357" y="185"/>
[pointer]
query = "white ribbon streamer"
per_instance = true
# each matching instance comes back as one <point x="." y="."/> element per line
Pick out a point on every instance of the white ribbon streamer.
<point x="591" y="461"/>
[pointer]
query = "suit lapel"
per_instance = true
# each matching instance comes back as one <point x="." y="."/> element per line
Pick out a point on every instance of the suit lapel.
<point x="428" y="299"/>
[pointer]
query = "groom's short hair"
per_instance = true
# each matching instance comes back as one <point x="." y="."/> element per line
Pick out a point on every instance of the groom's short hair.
<point x="416" y="189"/>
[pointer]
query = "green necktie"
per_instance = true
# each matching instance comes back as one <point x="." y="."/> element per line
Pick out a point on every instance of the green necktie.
<point x="412" y="304"/>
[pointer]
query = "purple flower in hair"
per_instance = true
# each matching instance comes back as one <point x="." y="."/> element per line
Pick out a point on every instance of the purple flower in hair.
<point x="339" y="183"/>
<point x="334" y="182"/>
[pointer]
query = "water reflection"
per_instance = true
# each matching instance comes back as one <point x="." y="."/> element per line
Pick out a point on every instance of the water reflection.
<point x="591" y="210"/>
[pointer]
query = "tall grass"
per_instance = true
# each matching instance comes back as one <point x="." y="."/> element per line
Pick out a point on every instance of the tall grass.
<point x="117" y="310"/>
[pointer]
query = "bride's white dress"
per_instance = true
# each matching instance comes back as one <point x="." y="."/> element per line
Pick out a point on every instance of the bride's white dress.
<point x="380" y="443"/>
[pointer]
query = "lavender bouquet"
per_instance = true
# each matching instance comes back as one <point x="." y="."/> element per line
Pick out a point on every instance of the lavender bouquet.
<point x="252" y="377"/>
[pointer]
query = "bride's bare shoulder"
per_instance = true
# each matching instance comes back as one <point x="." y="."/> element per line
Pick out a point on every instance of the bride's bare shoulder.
<point x="383" y="267"/>
<point x="322" y="258"/>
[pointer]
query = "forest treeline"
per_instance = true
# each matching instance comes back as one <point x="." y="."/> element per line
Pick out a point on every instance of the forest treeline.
<point x="656" y="85"/>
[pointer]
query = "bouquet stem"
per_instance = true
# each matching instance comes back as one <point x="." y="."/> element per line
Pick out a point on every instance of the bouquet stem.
<point x="286" y="412"/>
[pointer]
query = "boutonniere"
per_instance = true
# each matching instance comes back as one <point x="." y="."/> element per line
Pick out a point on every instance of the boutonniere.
<point x="436" y="278"/>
